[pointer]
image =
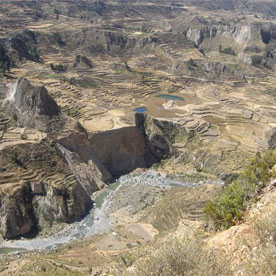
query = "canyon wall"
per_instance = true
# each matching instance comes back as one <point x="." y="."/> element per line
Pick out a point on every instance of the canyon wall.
<point x="120" y="150"/>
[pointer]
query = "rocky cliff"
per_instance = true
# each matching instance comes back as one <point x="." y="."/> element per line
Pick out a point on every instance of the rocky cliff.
<point x="16" y="48"/>
<point x="32" y="106"/>
<point x="159" y="136"/>
<point x="242" y="39"/>
<point x="120" y="150"/>
<point x="84" y="162"/>
<point x="38" y="189"/>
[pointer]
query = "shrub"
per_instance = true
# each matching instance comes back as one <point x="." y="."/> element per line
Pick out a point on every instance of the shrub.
<point x="228" y="51"/>
<point x="228" y="206"/>
<point x="179" y="257"/>
<point x="14" y="116"/>
<point x="58" y="67"/>
<point x="14" y="156"/>
<point x="24" y="136"/>
<point x="72" y="112"/>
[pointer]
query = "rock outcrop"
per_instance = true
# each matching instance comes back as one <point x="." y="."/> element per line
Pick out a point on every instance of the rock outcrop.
<point x="16" y="48"/>
<point x="84" y="161"/>
<point x="120" y="150"/>
<point x="60" y="204"/>
<point x="82" y="62"/>
<point x="38" y="189"/>
<point x="16" y="212"/>
<point x="159" y="135"/>
<point x="5" y="62"/>
<point x="36" y="206"/>
<point x="32" y="106"/>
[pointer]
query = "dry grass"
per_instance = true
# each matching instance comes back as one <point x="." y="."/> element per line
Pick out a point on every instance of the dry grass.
<point x="185" y="255"/>
<point x="264" y="256"/>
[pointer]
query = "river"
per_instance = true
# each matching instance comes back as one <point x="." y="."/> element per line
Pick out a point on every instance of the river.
<point x="98" y="221"/>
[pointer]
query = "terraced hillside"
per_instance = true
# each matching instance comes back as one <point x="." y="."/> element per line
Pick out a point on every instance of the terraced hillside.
<point x="93" y="90"/>
<point x="202" y="72"/>
<point x="218" y="63"/>
<point x="37" y="189"/>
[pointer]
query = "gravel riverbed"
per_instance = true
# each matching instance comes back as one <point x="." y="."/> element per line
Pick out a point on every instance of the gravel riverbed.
<point x="135" y="192"/>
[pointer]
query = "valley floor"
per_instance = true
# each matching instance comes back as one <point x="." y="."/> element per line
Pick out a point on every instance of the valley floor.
<point x="144" y="206"/>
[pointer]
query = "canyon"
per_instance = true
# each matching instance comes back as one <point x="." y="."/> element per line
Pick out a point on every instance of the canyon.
<point x="119" y="120"/>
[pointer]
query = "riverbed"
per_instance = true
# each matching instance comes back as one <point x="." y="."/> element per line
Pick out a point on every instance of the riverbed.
<point x="125" y="193"/>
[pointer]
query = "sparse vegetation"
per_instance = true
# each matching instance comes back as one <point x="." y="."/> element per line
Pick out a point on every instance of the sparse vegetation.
<point x="178" y="257"/>
<point x="86" y="81"/>
<point x="24" y="136"/>
<point x="58" y="67"/>
<point x="191" y="64"/>
<point x="42" y="267"/>
<point x="159" y="165"/>
<point x="8" y="250"/>
<point x="265" y="228"/>
<point x="271" y="92"/>
<point x="14" y="116"/>
<point x="227" y="51"/>
<point x="72" y="112"/>
<point x="262" y="260"/>
<point x="100" y="199"/>
<point x="14" y="156"/>
<point x="227" y="208"/>
<point x="176" y="204"/>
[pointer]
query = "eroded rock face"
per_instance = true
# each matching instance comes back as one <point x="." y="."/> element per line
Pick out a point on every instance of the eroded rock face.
<point x="60" y="205"/>
<point x="38" y="189"/>
<point x="120" y="150"/>
<point x="159" y="136"/>
<point x="16" y="213"/>
<point x="243" y="37"/>
<point x="27" y="209"/>
<point x="84" y="161"/>
<point x="157" y="147"/>
<point x="16" y="48"/>
<point x="91" y="175"/>
<point x="32" y="106"/>
<point x="196" y="35"/>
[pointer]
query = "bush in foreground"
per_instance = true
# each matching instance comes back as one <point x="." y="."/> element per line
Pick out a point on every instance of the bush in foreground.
<point x="228" y="206"/>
